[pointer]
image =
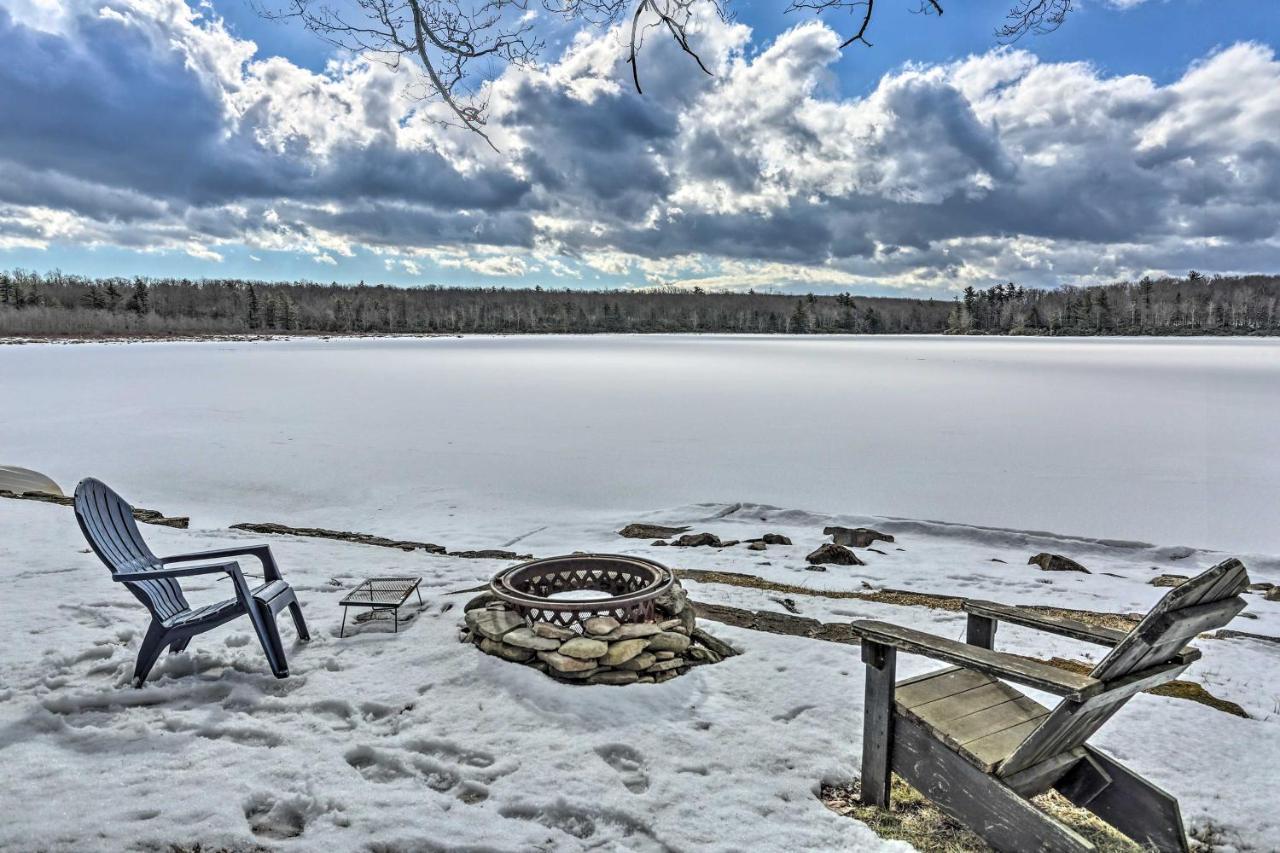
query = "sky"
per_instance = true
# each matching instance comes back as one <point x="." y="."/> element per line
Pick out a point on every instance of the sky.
<point x="172" y="138"/>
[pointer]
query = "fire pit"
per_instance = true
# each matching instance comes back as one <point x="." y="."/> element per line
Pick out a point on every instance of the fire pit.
<point x="567" y="591"/>
<point x="592" y="618"/>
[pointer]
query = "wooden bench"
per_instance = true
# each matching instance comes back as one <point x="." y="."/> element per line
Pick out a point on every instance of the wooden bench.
<point x="980" y="749"/>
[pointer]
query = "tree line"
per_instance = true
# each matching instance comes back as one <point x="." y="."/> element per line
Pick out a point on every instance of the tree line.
<point x="56" y="304"/>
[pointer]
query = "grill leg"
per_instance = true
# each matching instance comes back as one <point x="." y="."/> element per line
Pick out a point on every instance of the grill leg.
<point x="343" y="629"/>
<point x="396" y="611"/>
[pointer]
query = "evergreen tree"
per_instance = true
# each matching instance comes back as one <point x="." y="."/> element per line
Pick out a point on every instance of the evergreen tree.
<point x="140" y="300"/>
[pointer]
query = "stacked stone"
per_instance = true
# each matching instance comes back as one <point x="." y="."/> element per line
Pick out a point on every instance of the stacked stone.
<point x="606" y="651"/>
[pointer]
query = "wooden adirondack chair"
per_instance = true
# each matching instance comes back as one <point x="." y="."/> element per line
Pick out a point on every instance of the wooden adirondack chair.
<point x="980" y="749"/>
<point x="107" y="523"/>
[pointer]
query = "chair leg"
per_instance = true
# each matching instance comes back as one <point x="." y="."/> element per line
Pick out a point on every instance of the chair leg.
<point x="295" y="610"/>
<point x="264" y="625"/>
<point x="877" y="723"/>
<point x="179" y="646"/>
<point x="1145" y="813"/>
<point x="152" y="645"/>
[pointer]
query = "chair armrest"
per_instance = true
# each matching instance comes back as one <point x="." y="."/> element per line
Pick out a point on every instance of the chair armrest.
<point x="155" y="574"/>
<point x="1016" y="668"/>
<point x="1030" y="618"/>
<point x="270" y="571"/>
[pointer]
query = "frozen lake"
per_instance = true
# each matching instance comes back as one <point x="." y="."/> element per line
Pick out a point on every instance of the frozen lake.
<point x="1170" y="441"/>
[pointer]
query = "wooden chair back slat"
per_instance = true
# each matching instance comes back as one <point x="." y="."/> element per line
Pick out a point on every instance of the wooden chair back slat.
<point x="1152" y="653"/>
<point x="107" y="522"/>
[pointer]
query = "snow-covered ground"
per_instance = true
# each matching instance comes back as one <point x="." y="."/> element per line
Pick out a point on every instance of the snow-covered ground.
<point x="1170" y="441"/>
<point x="385" y="742"/>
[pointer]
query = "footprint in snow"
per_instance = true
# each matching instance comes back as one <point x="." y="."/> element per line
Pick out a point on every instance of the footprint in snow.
<point x="628" y="763"/>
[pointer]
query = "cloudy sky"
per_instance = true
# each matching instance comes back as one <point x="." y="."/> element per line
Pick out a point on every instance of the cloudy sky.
<point x="159" y="137"/>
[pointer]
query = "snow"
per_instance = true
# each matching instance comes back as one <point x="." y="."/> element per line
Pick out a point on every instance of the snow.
<point x="414" y="741"/>
<point x="385" y="742"/>
<point x="1159" y="440"/>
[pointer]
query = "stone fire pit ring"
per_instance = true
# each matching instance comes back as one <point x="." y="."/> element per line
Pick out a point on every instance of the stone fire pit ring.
<point x="544" y="590"/>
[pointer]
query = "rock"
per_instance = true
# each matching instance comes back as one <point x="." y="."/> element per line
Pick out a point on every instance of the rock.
<point x="729" y="543"/>
<point x="673" y="601"/>
<point x="614" y="676"/>
<point x="657" y="542"/>
<point x="489" y="554"/>
<point x="631" y="631"/>
<point x="815" y="568"/>
<point x="668" y="625"/>
<point x="695" y="540"/>
<point x="700" y="655"/>
<point x="564" y="663"/>
<point x="597" y="625"/>
<point x="584" y="648"/>
<point x="660" y="677"/>
<point x="1261" y="586"/>
<point x="775" y="539"/>
<point x="1056" y="563"/>
<point x="1168" y="580"/>
<point x="650" y="531"/>
<point x="572" y="676"/>
<point x="688" y="619"/>
<point x="526" y="638"/>
<point x="646" y="679"/>
<point x="856" y="537"/>
<point x="623" y="651"/>
<point x="716" y="645"/>
<point x="664" y="655"/>
<point x="502" y="650"/>
<point x="482" y="600"/>
<point x="644" y="660"/>
<point x="668" y="641"/>
<point x="494" y="624"/>
<point x="555" y="632"/>
<point x="664" y="665"/>
<point x="1272" y="594"/>
<point x="757" y="546"/>
<point x="837" y="555"/>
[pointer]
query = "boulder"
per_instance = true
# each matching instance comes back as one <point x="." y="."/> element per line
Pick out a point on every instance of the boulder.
<point x="697" y="654"/>
<point x="1261" y="586"/>
<point x="555" y="632"/>
<point x="564" y="663"/>
<point x="481" y="601"/>
<point x="837" y="555"/>
<point x="631" y="631"/>
<point x="494" y="624"/>
<point x="1272" y="594"/>
<point x="615" y="676"/>
<point x="1056" y="563"/>
<point x="584" y="648"/>
<point x="504" y="651"/>
<point x="1167" y="580"/>
<point x="527" y="638"/>
<point x="775" y="539"/>
<point x="623" y="651"/>
<point x="650" y="531"/>
<point x="668" y="641"/>
<point x="695" y="540"/>
<point x="644" y="660"/>
<point x="715" y="644"/>
<point x="855" y="537"/>
<point x="658" y="542"/>
<point x="597" y="625"/>
<point x="757" y="546"/>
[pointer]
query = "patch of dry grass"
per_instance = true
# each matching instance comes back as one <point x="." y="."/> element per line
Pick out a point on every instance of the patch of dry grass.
<point x="915" y="820"/>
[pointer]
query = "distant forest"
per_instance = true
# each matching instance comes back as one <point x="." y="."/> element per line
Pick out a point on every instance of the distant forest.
<point x="54" y="304"/>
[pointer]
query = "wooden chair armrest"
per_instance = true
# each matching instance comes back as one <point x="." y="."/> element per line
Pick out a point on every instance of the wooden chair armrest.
<point x="187" y="571"/>
<point x="1014" y="668"/>
<point x="1041" y="621"/>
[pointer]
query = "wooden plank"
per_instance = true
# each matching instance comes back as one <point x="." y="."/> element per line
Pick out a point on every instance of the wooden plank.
<point x="1041" y="777"/>
<point x="1122" y="689"/>
<point x="1144" y="812"/>
<point x="935" y="685"/>
<point x="980" y="631"/>
<point x="997" y="718"/>
<point x="941" y="711"/>
<point x="1005" y="820"/>
<point x="1160" y="638"/>
<point x="994" y="748"/>
<point x="1023" y="670"/>
<point x="1224" y="580"/>
<point x="1039" y="620"/>
<point x="877" y="722"/>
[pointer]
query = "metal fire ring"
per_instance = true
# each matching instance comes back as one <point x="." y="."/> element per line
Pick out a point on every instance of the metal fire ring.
<point x="632" y="584"/>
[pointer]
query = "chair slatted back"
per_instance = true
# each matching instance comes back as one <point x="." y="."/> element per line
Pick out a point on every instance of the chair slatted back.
<point x="107" y="523"/>
<point x="1151" y="654"/>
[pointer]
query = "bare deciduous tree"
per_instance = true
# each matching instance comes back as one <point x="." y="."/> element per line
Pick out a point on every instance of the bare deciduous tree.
<point x="457" y="44"/>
